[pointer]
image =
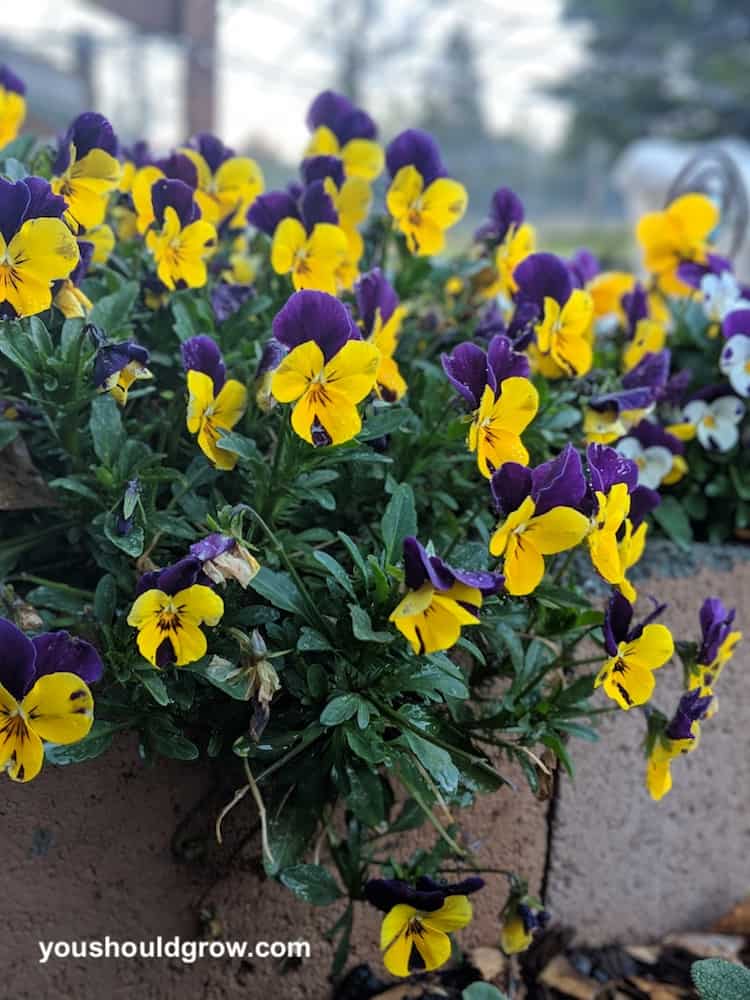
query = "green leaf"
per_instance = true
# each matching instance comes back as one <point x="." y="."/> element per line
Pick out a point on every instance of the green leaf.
<point x="167" y="739"/>
<point x="399" y="520"/>
<point x="75" y="486"/>
<point x="132" y="543"/>
<point x="8" y="433"/>
<point x="93" y="745"/>
<point x="719" y="980"/>
<point x="357" y="558"/>
<point x="240" y="445"/>
<point x="155" y="686"/>
<point x="312" y="641"/>
<point x="362" y="627"/>
<point x="105" y="599"/>
<point x="385" y="421"/>
<point x="435" y="760"/>
<point x="312" y="884"/>
<point x="482" y="991"/>
<point x="366" y="798"/>
<point x="278" y="588"/>
<point x="106" y="429"/>
<point x="339" y="709"/>
<point x="336" y="570"/>
<point x="112" y="312"/>
<point x="674" y="522"/>
<point x="289" y="836"/>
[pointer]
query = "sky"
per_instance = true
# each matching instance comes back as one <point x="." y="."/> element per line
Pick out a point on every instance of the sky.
<point x="276" y="55"/>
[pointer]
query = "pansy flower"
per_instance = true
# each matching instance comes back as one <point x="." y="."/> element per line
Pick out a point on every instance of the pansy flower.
<point x="635" y="653"/>
<point x="612" y="479"/>
<point x="511" y="238"/>
<point x="718" y="643"/>
<point x="658" y="454"/>
<point x="565" y="314"/>
<point x="44" y="695"/>
<point x="645" y="335"/>
<point x="118" y="366"/>
<point x="12" y="105"/>
<point x="423" y="201"/>
<point x="439" y="599"/>
<point x="503" y="400"/>
<point x="381" y="316"/>
<point x="716" y="423"/>
<point x="86" y="170"/>
<point x="734" y="361"/>
<point x="680" y="736"/>
<point x="227" y="184"/>
<point x="351" y="197"/>
<point x="36" y="247"/>
<point x="541" y="516"/>
<point x="175" y="167"/>
<point x="215" y="403"/>
<point x="168" y="611"/>
<point x="584" y="267"/>
<point x="520" y="922"/>
<point x="223" y="558"/>
<point x="680" y="232"/>
<point x="609" y="416"/>
<point x="414" y="932"/>
<point x="327" y="371"/>
<point x="179" y="239"/>
<point x="307" y="242"/>
<point x="341" y="129"/>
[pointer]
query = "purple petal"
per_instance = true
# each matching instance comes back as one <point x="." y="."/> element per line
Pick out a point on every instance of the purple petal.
<point x="693" y="274"/>
<point x="560" y="482"/>
<point x="584" y="266"/>
<point x="268" y="210"/>
<point x="629" y="399"/>
<point x="271" y="357"/>
<point x="88" y="131"/>
<point x="463" y="888"/>
<point x="650" y="434"/>
<point x="316" y="316"/>
<point x="179" y="167"/>
<point x="542" y="275"/>
<point x="642" y="501"/>
<point x="635" y="305"/>
<point x="491" y="322"/>
<point x="716" y="622"/>
<point x="651" y="371"/>
<point x="227" y="299"/>
<point x="172" y="579"/>
<point x="419" y="567"/>
<point x="691" y="708"/>
<point x="374" y="292"/>
<point x="510" y="485"/>
<point x="202" y="354"/>
<point x="384" y="894"/>
<point x="139" y="154"/>
<point x="177" y="195"/>
<point x="506" y="210"/>
<point x="488" y="583"/>
<point x="17" y="658"/>
<point x="213" y="150"/>
<point x="338" y="114"/>
<point x="503" y="362"/>
<point x="736" y="322"/>
<point x="113" y="358"/>
<point x="14" y="203"/>
<point x="60" y="652"/>
<point x="607" y="467"/>
<point x="316" y="206"/>
<point x="318" y="168"/>
<point x="9" y="81"/>
<point x="617" y="619"/>
<point x="43" y="203"/>
<point x="418" y="149"/>
<point x="466" y="369"/>
<point x="211" y="546"/>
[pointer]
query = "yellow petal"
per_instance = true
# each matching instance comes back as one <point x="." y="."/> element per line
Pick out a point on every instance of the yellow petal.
<point x="323" y="142"/>
<point x="362" y="158"/>
<point x="288" y="239"/>
<point x="43" y="249"/>
<point x="199" y="604"/>
<point x="353" y="202"/>
<point x="21" y="750"/>
<point x="143" y="181"/>
<point x="200" y="398"/>
<point x="433" y="945"/>
<point x="557" y="530"/>
<point x="444" y="202"/>
<point x="352" y="371"/>
<point x="394" y="942"/>
<point x="696" y="215"/>
<point x="299" y="368"/>
<point x="523" y="566"/>
<point x="60" y="708"/>
<point x="405" y="189"/>
<point x="628" y="683"/>
<point x="146" y="607"/>
<point x="230" y="404"/>
<point x="653" y="647"/>
<point x="334" y="411"/>
<point x="455" y="913"/>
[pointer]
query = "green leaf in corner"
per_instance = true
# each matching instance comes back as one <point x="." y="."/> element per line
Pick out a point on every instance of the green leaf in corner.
<point x="279" y="589"/>
<point x="362" y="627"/>
<point x="674" y="522"/>
<point x="716" y="979"/>
<point x="482" y="991"/>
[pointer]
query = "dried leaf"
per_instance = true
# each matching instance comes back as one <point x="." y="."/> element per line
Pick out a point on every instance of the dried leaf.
<point x="490" y="962"/>
<point x="561" y="975"/>
<point x="737" y="921"/>
<point x="708" y="945"/>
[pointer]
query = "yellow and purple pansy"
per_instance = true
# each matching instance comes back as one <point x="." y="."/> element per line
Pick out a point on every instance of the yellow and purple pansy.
<point x="609" y="416"/>
<point x="520" y="921"/>
<point x="307" y="241"/>
<point x="327" y="371"/>
<point x="644" y="335"/>
<point x="502" y="399"/>
<point x="44" y="695"/>
<point x="680" y="736"/>
<point x="380" y="316"/>
<point x="680" y="233"/>
<point x="118" y="366"/>
<point x="564" y="316"/>
<point x="86" y="170"/>
<point x="423" y="201"/>
<point x="226" y="184"/>
<point x="510" y="239"/>
<point x="170" y="606"/>
<point x="418" y="920"/>
<point x="635" y="653"/>
<point x="37" y="249"/>
<point x="439" y="599"/>
<point x="215" y="403"/>
<point x="351" y="198"/>
<point x="718" y="643"/>
<point x="12" y="105"/>
<point x="540" y="512"/>
<point x="339" y="128"/>
<point x="179" y="239"/>
<point x="175" y="167"/>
